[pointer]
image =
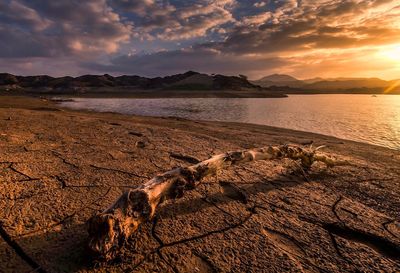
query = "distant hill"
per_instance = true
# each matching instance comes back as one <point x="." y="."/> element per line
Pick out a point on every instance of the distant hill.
<point x="189" y="81"/>
<point x="348" y="83"/>
<point x="331" y="84"/>
<point x="279" y="80"/>
<point x="313" y="80"/>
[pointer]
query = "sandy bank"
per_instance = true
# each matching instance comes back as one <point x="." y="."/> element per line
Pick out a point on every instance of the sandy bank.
<point x="58" y="167"/>
<point x="154" y="93"/>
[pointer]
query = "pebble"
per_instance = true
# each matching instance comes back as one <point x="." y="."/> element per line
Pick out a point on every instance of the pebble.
<point x="140" y="144"/>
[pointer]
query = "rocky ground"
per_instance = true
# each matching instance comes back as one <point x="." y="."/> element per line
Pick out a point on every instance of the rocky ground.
<point x="59" y="167"/>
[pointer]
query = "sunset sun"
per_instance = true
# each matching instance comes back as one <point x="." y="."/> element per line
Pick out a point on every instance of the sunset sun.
<point x="391" y="53"/>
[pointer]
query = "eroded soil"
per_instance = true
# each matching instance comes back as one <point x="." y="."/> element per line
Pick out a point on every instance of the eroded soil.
<point x="59" y="167"/>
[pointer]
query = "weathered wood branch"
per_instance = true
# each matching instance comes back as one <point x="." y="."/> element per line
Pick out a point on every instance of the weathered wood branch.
<point x="111" y="228"/>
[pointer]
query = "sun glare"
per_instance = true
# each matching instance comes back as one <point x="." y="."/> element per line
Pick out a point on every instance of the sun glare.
<point x="392" y="53"/>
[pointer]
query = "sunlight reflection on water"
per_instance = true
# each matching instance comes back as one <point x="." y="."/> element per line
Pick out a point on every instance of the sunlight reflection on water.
<point x="362" y="118"/>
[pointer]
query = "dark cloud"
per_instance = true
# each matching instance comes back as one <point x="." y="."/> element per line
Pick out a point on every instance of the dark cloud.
<point x="16" y="43"/>
<point x="16" y="14"/>
<point x="56" y="28"/>
<point x="175" y="21"/>
<point x="299" y="26"/>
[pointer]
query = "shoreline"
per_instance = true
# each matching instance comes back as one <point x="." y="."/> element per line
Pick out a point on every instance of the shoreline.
<point x="355" y="138"/>
<point x="149" y="94"/>
<point x="152" y="94"/>
<point x="60" y="166"/>
<point x="43" y="103"/>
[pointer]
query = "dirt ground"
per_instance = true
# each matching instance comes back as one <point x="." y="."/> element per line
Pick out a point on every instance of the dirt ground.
<point x="59" y="167"/>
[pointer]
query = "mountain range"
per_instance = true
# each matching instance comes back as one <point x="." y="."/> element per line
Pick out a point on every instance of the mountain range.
<point x="328" y="84"/>
<point x="193" y="81"/>
<point x="186" y="81"/>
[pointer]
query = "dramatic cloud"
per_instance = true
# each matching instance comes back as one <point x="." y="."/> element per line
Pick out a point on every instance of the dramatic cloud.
<point x="306" y="38"/>
<point x="43" y="28"/>
<point x="162" y="20"/>
<point x="302" y="27"/>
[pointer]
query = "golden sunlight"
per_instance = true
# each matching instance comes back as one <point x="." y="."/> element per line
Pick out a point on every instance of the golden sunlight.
<point x="392" y="87"/>
<point x="391" y="52"/>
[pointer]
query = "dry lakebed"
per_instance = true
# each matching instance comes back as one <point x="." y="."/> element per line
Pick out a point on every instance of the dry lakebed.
<point x="58" y="167"/>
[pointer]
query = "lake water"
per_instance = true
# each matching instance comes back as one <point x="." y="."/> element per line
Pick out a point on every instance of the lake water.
<point x="362" y="118"/>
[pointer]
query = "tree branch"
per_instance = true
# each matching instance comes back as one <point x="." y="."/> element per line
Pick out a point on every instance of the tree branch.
<point x="109" y="229"/>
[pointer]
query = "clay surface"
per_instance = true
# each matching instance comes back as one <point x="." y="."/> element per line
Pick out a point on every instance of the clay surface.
<point x="60" y="167"/>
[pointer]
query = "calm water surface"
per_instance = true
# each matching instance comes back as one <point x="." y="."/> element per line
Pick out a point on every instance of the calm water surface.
<point x="362" y="118"/>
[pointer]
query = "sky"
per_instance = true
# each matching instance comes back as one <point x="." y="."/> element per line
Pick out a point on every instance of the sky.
<point x="303" y="38"/>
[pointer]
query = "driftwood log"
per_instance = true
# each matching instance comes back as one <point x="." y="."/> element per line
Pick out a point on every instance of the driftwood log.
<point x="109" y="229"/>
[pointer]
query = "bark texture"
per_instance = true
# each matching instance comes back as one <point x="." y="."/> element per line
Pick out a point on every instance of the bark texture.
<point x="109" y="229"/>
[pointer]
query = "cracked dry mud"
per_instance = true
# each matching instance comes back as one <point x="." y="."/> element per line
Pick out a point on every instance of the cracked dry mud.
<point x="59" y="167"/>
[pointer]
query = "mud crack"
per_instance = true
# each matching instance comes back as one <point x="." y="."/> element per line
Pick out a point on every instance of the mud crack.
<point x="334" y="208"/>
<point x="19" y="251"/>
<point x="381" y="245"/>
<point x="377" y="243"/>
<point x="64" y="160"/>
<point x="28" y="178"/>
<point x="386" y="227"/>
<point x="162" y="244"/>
<point x="239" y="223"/>
<point x="119" y="171"/>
